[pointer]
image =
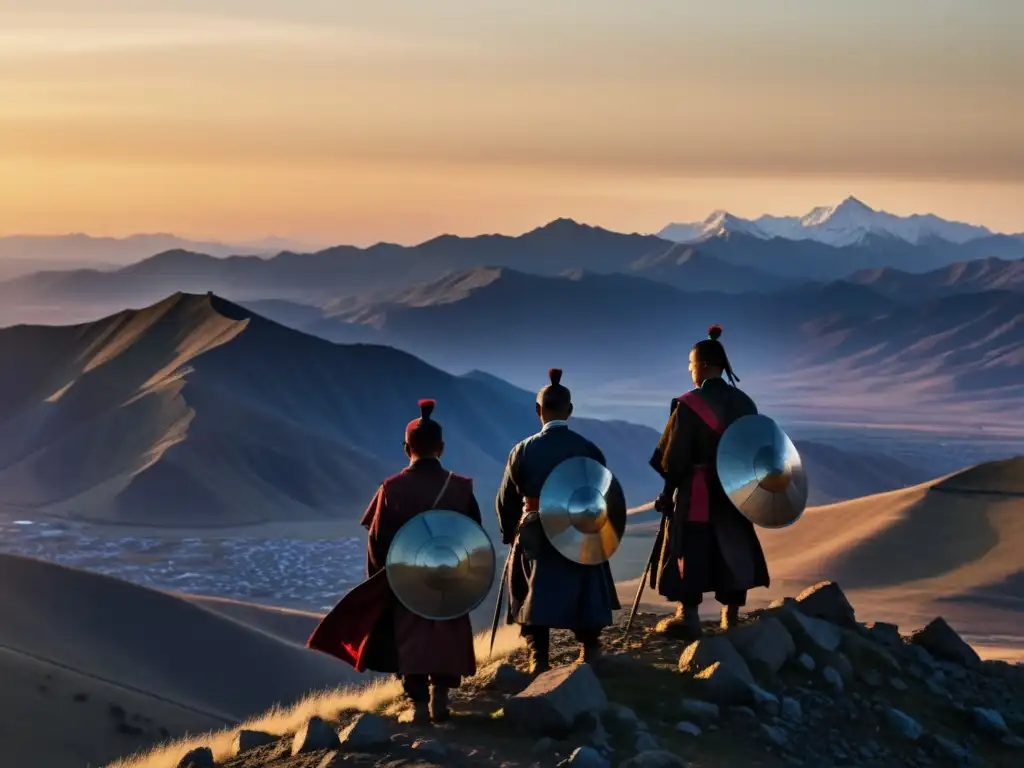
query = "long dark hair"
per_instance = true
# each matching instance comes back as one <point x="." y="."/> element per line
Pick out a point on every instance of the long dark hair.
<point x="711" y="352"/>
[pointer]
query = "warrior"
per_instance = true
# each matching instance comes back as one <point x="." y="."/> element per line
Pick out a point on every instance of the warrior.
<point x="547" y="590"/>
<point x="369" y="628"/>
<point x="705" y="544"/>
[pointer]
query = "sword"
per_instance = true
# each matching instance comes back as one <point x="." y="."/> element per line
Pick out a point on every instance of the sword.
<point x="501" y="595"/>
<point x="643" y="579"/>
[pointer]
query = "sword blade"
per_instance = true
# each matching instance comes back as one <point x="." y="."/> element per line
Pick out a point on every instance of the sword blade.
<point x="501" y="595"/>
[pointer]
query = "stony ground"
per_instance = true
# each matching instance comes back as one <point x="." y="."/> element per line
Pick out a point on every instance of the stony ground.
<point x="801" y="684"/>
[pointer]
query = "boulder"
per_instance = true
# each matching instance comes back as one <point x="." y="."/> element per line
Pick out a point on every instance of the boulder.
<point x="655" y="758"/>
<point x="764" y="700"/>
<point x="885" y="634"/>
<point x="688" y="728"/>
<point x="715" y="649"/>
<point x="504" y="677"/>
<point x="833" y="678"/>
<point x="774" y="735"/>
<point x="315" y="735"/>
<point x="941" y="641"/>
<point x="645" y="742"/>
<point x="825" y="600"/>
<point x="246" y="740"/>
<point x="367" y="731"/>
<point x="946" y="750"/>
<point x="765" y="645"/>
<point x="902" y="724"/>
<point x="704" y="712"/>
<point x="867" y="654"/>
<point x="792" y="711"/>
<point x="200" y="757"/>
<point x="586" y="757"/>
<point x="551" y="704"/>
<point x="989" y="722"/>
<point x="721" y="685"/>
<point x="812" y="636"/>
<point x="620" y="717"/>
<point x="805" y="662"/>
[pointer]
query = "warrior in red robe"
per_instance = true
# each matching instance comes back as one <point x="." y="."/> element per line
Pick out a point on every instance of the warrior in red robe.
<point x="706" y="545"/>
<point x="369" y="628"/>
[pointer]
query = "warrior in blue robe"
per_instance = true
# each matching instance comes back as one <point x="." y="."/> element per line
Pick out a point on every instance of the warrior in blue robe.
<point x="546" y="589"/>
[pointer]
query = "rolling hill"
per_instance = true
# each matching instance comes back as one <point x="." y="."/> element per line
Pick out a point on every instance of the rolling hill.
<point x="990" y="274"/>
<point x="195" y="412"/>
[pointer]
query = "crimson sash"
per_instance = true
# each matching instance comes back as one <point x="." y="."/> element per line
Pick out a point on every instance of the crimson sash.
<point x="699" y="496"/>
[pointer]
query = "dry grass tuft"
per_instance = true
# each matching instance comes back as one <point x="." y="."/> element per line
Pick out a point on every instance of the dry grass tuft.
<point x="280" y="721"/>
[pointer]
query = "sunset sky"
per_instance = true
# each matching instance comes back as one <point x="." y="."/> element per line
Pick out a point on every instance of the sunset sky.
<point x="366" y="120"/>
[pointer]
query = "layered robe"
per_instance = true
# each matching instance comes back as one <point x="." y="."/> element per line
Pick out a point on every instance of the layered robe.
<point x="706" y="545"/>
<point x="369" y="628"/>
<point x="546" y="589"/>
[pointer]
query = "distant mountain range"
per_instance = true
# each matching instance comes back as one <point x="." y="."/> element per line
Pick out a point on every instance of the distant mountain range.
<point x="848" y="223"/>
<point x="730" y="262"/>
<point x="620" y="327"/>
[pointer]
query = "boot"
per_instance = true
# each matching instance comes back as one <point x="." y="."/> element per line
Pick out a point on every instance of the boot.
<point x="590" y="653"/>
<point x="439" y="711"/>
<point x="684" y="625"/>
<point x="730" y="616"/>
<point x="418" y="715"/>
<point x="538" y="655"/>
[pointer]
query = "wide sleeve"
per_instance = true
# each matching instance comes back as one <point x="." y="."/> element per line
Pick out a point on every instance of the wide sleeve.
<point x="674" y="453"/>
<point x="376" y="545"/>
<point x="509" y="501"/>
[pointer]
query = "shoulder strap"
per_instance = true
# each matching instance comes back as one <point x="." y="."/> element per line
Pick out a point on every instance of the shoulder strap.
<point x="699" y="406"/>
<point x="444" y="488"/>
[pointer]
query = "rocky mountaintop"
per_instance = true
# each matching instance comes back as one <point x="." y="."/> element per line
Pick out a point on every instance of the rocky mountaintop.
<point x="801" y="683"/>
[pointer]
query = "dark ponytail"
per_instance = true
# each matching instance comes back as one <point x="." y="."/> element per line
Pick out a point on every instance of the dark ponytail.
<point x="711" y="352"/>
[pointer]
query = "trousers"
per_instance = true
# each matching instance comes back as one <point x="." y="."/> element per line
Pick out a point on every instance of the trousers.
<point x="541" y="636"/>
<point x="417" y="687"/>
<point x="725" y="597"/>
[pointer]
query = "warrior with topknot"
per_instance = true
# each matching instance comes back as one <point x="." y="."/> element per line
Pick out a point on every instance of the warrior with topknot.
<point x="705" y="544"/>
<point x="547" y="590"/>
<point x="370" y="629"/>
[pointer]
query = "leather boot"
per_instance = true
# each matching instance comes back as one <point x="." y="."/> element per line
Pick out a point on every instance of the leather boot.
<point x="730" y="616"/>
<point x="538" y="655"/>
<point x="590" y="653"/>
<point x="439" y="711"/>
<point x="684" y="625"/>
<point x="419" y="715"/>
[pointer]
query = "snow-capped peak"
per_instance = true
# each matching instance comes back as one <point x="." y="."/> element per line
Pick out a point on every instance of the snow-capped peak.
<point x="847" y="223"/>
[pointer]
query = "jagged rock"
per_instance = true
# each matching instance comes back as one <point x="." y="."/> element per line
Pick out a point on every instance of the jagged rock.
<point x="701" y="654"/>
<point x="885" y="634"/>
<point x="655" y="758"/>
<point x="903" y="724"/>
<point x="504" y="677"/>
<point x="863" y="652"/>
<point x="764" y="644"/>
<point x="367" y="731"/>
<point x="825" y="600"/>
<point x="245" y="740"/>
<point x="704" y="712"/>
<point x="805" y="662"/>
<point x="945" y="749"/>
<point x="590" y="724"/>
<point x="620" y="717"/>
<point x="833" y="678"/>
<point x="776" y="736"/>
<point x="586" y="757"/>
<point x="551" y="704"/>
<point x="811" y="635"/>
<point x="944" y="643"/>
<point x="791" y="709"/>
<point x="430" y="747"/>
<point x="314" y="735"/>
<point x="842" y="665"/>
<point x="897" y="684"/>
<point x="989" y="721"/>
<point x="870" y="677"/>
<point x="1014" y="742"/>
<point x="721" y="685"/>
<point x="200" y="757"/>
<point x="645" y="742"/>
<point x="688" y="728"/>
<point x="936" y="685"/>
<point x="765" y="701"/>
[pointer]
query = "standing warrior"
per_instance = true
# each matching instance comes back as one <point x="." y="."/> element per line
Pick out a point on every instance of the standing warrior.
<point x="705" y="544"/>
<point x="547" y="590"/>
<point x="370" y="628"/>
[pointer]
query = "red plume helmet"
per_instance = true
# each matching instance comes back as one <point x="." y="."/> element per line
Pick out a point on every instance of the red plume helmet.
<point x="714" y="332"/>
<point x="555" y="375"/>
<point x="427" y="408"/>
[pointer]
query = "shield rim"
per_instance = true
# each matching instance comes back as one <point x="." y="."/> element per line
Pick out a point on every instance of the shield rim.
<point x="802" y="472"/>
<point x="490" y="545"/>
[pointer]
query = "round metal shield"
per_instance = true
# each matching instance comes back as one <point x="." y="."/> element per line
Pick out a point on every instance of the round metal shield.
<point x="441" y="564"/>
<point x="761" y="472"/>
<point x="583" y="511"/>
